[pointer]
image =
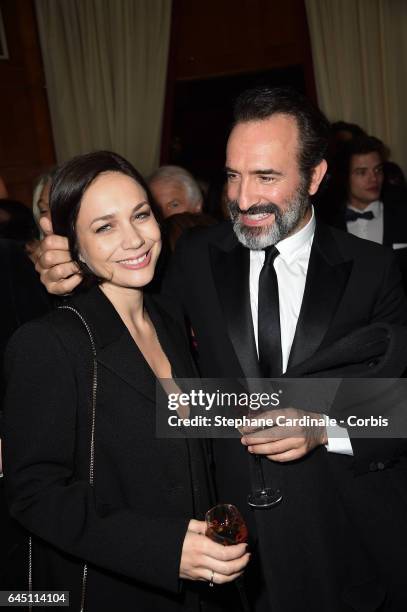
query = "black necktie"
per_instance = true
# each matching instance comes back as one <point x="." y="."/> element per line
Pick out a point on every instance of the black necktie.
<point x="352" y="215"/>
<point x="269" y="338"/>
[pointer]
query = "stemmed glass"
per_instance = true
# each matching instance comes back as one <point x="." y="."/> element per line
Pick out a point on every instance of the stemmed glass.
<point x="225" y="525"/>
<point x="264" y="497"/>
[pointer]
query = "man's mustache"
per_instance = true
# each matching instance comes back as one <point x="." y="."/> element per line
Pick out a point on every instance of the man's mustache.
<point x="256" y="209"/>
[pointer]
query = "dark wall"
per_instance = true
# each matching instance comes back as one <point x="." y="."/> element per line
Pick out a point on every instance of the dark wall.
<point x="26" y="146"/>
<point x="218" y="48"/>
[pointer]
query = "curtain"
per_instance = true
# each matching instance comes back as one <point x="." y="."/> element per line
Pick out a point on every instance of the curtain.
<point x="359" y="50"/>
<point x="105" y="65"/>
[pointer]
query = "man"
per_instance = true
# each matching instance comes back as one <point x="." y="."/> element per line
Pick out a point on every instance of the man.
<point x="175" y="191"/>
<point x="363" y="209"/>
<point x="325" y="547"/>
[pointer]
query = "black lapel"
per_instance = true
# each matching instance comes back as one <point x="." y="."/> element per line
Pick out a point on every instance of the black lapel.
<point x="231" y="271"/>
<point x="327" y="276"/>
<point x="124" y="358"/>
<point x="115" y="347"/>
<point x="390" y="225"/>
<point x="172" y="337"/>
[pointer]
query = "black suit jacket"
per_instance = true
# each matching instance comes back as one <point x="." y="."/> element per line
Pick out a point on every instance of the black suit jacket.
<point x="319" y="548"/>
<point x="131" y="525"/>
<point x="394" y="227"/>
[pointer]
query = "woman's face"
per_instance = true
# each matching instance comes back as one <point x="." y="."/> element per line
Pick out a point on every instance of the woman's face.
<point x="118" y="236"/>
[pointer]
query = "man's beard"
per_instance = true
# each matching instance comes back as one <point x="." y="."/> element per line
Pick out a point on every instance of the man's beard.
<point x="258" y="238"/>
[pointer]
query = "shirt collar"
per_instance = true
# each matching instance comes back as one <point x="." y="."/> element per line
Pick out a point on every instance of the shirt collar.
<point x="375" y="207"/>
<point x="291" y="246"/>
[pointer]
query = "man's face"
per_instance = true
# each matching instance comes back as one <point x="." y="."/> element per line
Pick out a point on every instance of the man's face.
<point x="172" y="197"/>
<point x="366" y="179"/>
<point x="268" y="197"/>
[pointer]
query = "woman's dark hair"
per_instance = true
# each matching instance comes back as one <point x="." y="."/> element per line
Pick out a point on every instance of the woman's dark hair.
<point x="69" y="184"/>
<point x="263" y="102"/>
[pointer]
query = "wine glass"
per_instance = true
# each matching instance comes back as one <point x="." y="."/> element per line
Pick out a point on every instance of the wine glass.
<point x="225" y="525"/>
<point x="263" y="497"/>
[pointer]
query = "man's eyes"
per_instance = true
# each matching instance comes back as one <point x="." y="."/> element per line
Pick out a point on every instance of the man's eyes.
<point x="173" y="204"/>
<point x="264" y="178"/>
<point x="231" y="176"/>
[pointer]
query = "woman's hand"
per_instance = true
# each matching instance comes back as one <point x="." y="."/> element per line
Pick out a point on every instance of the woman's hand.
<point x="203" y="559"/>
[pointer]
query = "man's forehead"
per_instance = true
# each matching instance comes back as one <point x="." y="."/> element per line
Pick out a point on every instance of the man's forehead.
<point x="366" y="160"/>
<point x="278" y="122"/>
<point x="167" y="185"/>
<point x="257" y="140"/>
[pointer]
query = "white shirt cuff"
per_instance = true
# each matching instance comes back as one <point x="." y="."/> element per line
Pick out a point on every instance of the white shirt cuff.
<point x="338" y="439"/>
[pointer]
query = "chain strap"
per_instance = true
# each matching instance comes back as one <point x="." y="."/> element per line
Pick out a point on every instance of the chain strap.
<point x="91" y="455"/>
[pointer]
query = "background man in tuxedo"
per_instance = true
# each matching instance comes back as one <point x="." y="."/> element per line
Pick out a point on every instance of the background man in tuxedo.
<point x="330" y="544"/>
<point x="356" y="201"/>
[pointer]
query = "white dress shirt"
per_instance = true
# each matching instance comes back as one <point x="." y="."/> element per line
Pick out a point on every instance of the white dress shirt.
<point x="369" y="229"/>
<point x="291" y="267"/>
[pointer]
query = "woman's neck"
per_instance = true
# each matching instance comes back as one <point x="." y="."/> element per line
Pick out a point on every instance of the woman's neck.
<point x="128" y="302"/>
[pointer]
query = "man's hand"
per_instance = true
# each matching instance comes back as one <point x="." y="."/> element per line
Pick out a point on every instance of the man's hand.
<point x="286" y="442"/>
<point x="209" y="561"/>
<point x="53" y="262"/>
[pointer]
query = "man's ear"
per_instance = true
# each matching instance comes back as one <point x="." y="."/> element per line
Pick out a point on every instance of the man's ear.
<point x="318" y="174"/>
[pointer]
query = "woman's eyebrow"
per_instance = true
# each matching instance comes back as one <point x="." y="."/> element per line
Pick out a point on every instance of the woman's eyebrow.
<point x="111" y="215"/>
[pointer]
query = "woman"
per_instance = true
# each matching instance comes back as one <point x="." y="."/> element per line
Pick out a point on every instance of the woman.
<point x="134" y="527"/>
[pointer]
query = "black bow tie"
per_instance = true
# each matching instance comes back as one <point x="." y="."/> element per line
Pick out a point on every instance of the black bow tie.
<point x="352" y="215"/>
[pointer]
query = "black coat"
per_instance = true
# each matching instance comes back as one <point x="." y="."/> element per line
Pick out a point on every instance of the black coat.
<point x="394" y="226"/>
<point x="23" y="298"/>
<point x="131" y="525"/>
<point x="338" y="540"/>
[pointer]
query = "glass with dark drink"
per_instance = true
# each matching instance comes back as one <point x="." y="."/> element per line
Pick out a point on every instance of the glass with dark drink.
<point x="225" y="525"/>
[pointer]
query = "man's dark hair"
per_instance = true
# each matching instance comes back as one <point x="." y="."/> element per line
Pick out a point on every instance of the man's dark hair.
<point x="340" y="169"/>
<point x="364" y="145"/>
<point x="343" y="126"/>
<point x="69" y="184"/>
<point x="262" y="102"/>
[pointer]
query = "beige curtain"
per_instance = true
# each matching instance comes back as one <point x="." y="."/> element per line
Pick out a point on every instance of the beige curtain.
<point x="105" y="65"/>
<point x="360" y="61"/>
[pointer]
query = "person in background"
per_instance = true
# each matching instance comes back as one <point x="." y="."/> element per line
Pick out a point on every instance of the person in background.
<point x="17" y="223"/>
<point x="357" y="203"/>
<point x="175" y="191"/>
<point x="41" y="197"/>
<point x="175" y="225"/>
